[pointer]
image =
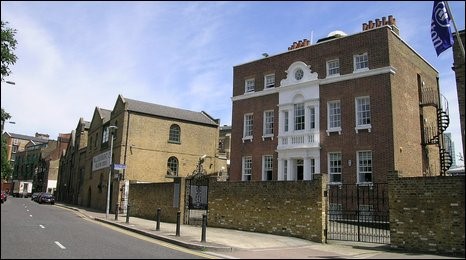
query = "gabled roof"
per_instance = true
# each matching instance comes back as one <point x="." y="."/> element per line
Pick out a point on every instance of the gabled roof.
<point x="104" y="114"/>
<point x="169" y="112"/>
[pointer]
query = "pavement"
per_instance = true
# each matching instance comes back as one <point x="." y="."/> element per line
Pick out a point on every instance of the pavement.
<point x="235" y="244"/>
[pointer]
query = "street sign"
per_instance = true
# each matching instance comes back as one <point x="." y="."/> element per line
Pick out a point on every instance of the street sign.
<point x="119" y="166"/>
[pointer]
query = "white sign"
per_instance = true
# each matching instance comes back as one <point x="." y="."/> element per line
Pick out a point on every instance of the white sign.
<point x="101" y="161"/>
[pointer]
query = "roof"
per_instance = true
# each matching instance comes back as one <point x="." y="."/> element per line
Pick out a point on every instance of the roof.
<point x="169" y="112"/>
<point x="26" y="137"/>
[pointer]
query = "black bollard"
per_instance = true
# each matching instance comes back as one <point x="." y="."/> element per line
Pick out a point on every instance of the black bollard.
<point x="204" y="226"/>
<point x="116" y="211"/>
<point x="127" y="213"/>
<point x="157" y="228"/>
<point x="178" y="223"/>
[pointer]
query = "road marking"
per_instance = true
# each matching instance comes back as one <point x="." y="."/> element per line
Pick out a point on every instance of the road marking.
<point x="41" y="226"/>
<point x="60" y="245"/>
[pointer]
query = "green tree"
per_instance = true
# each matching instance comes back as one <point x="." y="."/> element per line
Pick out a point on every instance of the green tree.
<point x="8" y="46"/>
<point x="7" y="170"/>
<point x="8" y="58"/>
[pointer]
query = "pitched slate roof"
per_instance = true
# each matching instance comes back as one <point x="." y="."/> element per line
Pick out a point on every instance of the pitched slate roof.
<point x="26" y="137"/>
<point x="169" y="112"/>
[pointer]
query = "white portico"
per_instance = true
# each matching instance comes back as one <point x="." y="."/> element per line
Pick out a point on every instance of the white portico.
<point x="298" y="139"/>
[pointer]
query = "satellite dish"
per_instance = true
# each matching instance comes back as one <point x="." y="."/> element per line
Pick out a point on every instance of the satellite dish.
<point x="341" y="33"/>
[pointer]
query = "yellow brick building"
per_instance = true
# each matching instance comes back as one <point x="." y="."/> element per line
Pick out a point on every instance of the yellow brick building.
<point x="153" y="143"/>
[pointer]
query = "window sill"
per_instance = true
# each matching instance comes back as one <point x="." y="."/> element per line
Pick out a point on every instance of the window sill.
<point x="333" y="76"/>
<point x="361" y="70"/>
<point x="363" y="127"/>
<point x="365" y="184"/>
<point x="333" y="130"/>
<point x="247" y="138"/>
<point x="267" y="137"/>
<point x="173" y="142"/>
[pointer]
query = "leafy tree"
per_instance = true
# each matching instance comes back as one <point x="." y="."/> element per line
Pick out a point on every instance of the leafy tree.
<point x="8" y="46"/>
<point x="7" y="170"/>
<point x="8" y="58"/>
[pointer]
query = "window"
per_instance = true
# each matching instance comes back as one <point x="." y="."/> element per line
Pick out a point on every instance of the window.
<point x="333" y="67"/>
<point x="299" y="116"/>
<point x="175" y="134"/>
<point x="312" y="117"/>
<point x="361" y="62"/>
<point x="14" y="148"/>
<point x="267" y="166"/>
<point x="249" y="85"/>
<point x="334" y="116"/>
<point x="334" y="167"/>
<point x="172" y="166"/>
<point x="247" y="168"/>
<point x="286" y="121"/>
<point x="269" y="81"/>
<point x="247" y="131"/>
<point x="268" y="123"/>
<point x="105" y="135"/>
<point x="364" y="166"/>
<point x="363" y="113"/>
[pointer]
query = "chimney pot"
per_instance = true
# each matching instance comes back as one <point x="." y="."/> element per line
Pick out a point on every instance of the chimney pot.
<point x="364" y="26"/>
<point x="371" y="24"/>
<point x="377" y="23"/>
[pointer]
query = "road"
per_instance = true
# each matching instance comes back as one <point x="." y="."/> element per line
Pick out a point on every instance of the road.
<point x="38" y="231"/>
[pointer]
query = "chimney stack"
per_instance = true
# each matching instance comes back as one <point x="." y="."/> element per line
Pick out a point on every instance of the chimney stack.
<point x="299" y="44"/>
<point x="379" y="23"/>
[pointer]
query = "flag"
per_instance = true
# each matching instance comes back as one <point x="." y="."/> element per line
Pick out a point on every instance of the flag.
<point x="440" y="31"/>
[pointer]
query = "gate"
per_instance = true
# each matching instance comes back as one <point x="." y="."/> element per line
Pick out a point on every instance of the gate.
<point x="197" y="187"/>
<point x="358" y="213"/>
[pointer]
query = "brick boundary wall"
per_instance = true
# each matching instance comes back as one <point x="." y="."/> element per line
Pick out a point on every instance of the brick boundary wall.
<point x="288" y="208"/>
<point x="145" y="198"/>
<point x="427" y="214"/>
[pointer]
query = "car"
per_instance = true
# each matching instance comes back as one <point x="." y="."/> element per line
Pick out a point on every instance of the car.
<point x="35" y="195"/>
<point x="3" y="196"/>
<point x="46" y="198"/>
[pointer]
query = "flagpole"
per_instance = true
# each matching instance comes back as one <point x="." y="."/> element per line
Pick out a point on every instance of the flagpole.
<point x="454" y="25"/>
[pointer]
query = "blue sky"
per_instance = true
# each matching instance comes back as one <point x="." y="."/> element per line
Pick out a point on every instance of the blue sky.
<point x="75" y="56"/>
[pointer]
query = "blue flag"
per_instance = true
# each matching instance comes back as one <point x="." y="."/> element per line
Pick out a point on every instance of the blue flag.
<point x="440" y="28"/>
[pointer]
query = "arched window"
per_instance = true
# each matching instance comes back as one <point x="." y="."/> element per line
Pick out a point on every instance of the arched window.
<point x="175" y="134"/>
<point x="172" y="166"/>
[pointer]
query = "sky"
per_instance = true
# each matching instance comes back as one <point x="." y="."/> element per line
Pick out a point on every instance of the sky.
<point x="74" y="56"/>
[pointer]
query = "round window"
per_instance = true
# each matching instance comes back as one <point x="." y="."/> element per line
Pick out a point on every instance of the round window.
<point x="299" y="74"/>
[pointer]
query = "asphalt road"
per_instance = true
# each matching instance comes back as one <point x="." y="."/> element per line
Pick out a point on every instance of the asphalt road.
<point x="37" y="231"/>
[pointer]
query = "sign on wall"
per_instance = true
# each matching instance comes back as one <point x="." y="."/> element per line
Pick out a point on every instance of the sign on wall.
<point x="101" y="161"/>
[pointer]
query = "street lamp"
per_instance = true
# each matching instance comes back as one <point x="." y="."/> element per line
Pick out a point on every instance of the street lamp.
<point x="110" y="128"/>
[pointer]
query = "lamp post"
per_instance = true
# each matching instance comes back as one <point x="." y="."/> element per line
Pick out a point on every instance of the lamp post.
<point x="110" y="128"/>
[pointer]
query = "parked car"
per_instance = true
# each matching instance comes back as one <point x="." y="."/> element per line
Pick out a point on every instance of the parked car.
<point x="4" y="196"/>
<point x="35" y="195"/>
<point x="46" y="198"/>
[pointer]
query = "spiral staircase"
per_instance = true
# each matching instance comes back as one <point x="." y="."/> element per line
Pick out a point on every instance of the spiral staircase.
<point x="433" y="133"/>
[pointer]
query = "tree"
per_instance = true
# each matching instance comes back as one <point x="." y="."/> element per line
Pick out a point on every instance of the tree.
<point x="8" y="46"/>
<point x="6" y="166"/>
<point x="8" y="58"/>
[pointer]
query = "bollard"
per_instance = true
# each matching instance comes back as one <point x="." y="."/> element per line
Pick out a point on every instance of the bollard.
<point x="178" y="223"/>
<point x="116" y="211"/>
<point x="204" y="226"/>
<point x="157" y="228"/>
<point x="127" y="213"/>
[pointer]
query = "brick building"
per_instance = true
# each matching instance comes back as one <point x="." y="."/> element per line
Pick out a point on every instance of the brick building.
<point x="154" y="143"/>
<point x="458" y="68"/>
<point x="351" y="106"/>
